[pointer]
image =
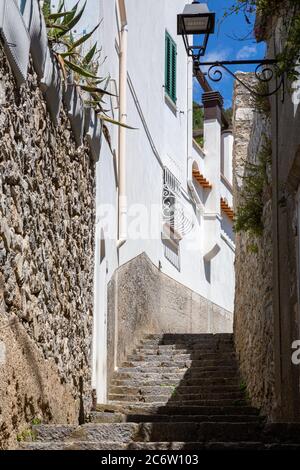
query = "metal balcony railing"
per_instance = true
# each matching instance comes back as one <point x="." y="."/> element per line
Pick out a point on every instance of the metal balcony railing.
<point x="175" y="214"/>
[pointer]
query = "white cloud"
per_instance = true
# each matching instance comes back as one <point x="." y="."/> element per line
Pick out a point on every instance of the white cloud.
<point x="215" y="56"/>
<point x="247" y="52"/>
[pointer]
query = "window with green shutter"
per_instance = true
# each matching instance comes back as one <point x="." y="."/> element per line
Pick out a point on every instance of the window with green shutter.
<point x="170" y="71"/>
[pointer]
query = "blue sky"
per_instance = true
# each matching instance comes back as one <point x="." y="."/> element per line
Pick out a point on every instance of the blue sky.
<point x="225" y="45"/>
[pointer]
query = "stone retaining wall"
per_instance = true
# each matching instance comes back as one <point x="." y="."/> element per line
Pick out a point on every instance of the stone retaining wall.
<point x="46" y="262"/>
<point x="253" y="315"/>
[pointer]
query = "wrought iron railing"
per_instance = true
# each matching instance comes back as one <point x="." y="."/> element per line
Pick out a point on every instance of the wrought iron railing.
<point x="175" y="214"/>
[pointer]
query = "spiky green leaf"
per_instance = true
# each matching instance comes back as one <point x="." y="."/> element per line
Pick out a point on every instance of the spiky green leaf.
<point x="75" y="20"/>
<point x="90" y="55"/>
<point x="113" y="121"/>
<point x="81" y="71"/>
<point x="57" y="16"/>
<point x="85" y="38"/>
<point x="92" y="89"/>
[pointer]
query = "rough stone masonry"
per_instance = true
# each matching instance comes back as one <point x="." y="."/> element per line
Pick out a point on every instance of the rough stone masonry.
<point x="254" y="319"/>
<point x="46" y="263"/>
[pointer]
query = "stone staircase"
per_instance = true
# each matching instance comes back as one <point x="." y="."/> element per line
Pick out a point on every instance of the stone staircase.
<point x="174" y="392"/>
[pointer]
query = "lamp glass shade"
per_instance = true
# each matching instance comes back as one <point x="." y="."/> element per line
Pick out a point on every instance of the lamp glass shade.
<point x="196" y="19"/>
<point x="197" y="24"/>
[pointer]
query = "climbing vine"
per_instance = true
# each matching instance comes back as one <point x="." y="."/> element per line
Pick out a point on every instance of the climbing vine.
<point x="289" y="11"/>
<point x="249" y="215"/>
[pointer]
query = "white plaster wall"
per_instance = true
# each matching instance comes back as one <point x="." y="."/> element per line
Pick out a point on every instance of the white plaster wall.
<point x="227" y="148"/>
<point x="226" y="193"/>
<point x="147" y="22"/>
<point x="146" y="68"/>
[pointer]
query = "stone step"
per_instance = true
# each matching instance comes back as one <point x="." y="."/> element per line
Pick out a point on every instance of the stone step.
<point x="164" y="400"/>
<point x="191" y="344"/>
<point x="158" y="357"/>
<point x="151" y="369"/>
<point x="193" y="446"/>
<point x="157" y="432"/>
<point x="185" y="346"/>
<point x="138" y="418"/>
<point x="176" y="397"/>
<point x="197" y="373"/>
<point x="182" y="381"/>
<point x="189" y="336"/>
<point x="200" y="356"/>
<point x="180" y="364"/>
<point x="173" y="349"/>
<point x="105" y="417"/>
<point x="148" y="408"/>
<point x="52" y="432"/>
<point x="180" y="390"/>
<point x="169" y="345"/>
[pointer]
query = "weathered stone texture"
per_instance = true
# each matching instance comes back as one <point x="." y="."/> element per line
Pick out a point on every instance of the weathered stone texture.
<point x="46" y="263"/>
<point x="253" y="318"/>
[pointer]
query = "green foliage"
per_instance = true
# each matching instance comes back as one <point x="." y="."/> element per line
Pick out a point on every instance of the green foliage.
<point x="243" y="389"/>
<point x="291" y="51"/>
<point x="36" y="422"/>
<point x="229" y="114"/>
<point x="243" y="386"/>
<point x="200" y="140"/>
<point x="262" y="103"/>
<point x="198" y="116"/>
<point x="198" y="120"/>
<point x="252" y="248"/>
<point x="47" y="8"/>
<point x="83" y="67"/>
<point x="26" y="435"/>
<point x="289" y="11"/>
<point x="249" y="213"/>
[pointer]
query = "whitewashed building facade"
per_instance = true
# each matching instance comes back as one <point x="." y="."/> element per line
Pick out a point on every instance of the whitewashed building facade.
<point x="145" y="169"/>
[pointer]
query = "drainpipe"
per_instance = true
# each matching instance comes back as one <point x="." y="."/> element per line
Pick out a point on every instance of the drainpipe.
<point x="122" y="199"/>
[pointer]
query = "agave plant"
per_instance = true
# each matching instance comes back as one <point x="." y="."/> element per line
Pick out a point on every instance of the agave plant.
<point x="70" y="56"/>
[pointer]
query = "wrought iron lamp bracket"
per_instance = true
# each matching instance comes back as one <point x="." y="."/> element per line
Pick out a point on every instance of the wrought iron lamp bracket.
<point x="266" y="71"/>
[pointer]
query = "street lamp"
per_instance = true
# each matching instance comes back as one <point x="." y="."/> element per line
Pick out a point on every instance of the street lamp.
<point x="196" y="19"/>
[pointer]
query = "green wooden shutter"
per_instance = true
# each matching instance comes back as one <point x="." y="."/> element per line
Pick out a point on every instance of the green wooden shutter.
<point x="170" y="67"/>
<point x="22" y="5"/>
